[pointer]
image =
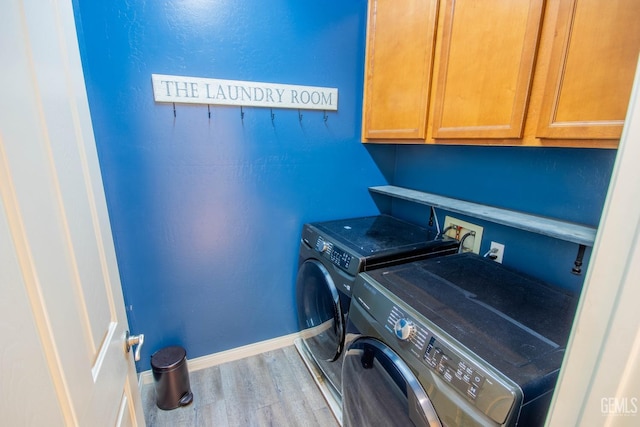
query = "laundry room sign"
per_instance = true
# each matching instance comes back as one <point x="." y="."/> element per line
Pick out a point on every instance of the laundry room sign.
<point x="197" y="90"/>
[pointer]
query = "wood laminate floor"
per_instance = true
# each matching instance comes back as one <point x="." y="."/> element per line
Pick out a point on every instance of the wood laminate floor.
<point x="270" y="389"/>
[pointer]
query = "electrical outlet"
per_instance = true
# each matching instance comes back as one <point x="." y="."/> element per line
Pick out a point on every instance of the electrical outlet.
<point x="496" y="252"/>
<point x="458" y="229"/>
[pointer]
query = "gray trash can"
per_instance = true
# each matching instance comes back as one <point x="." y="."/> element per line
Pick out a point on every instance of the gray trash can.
<point x="171" y="377"/>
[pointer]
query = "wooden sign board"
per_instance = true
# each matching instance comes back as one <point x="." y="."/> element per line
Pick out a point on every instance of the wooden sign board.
<point x="197" y="90"/>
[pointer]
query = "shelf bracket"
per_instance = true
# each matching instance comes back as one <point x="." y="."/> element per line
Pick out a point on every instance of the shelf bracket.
<point x="577" y="267"/>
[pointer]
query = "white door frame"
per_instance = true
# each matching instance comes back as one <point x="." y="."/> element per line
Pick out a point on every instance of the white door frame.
<point x="599" y="382"/>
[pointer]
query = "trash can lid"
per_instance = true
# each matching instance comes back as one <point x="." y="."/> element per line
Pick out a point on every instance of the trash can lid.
<point x="168" y="357"/>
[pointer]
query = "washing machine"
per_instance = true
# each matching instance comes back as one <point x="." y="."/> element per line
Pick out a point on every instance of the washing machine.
<point x="453" y="341"/>
<point x="332" y="253"/>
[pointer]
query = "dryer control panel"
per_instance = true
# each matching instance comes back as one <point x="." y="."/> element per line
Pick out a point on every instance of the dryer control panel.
<point x="426" y="348"/>
<point x="458" y="372"/>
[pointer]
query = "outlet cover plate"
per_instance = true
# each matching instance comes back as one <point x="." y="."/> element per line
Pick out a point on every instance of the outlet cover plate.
<point x="500" y="251"/>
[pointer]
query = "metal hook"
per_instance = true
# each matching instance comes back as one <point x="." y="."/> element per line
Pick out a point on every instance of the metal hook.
<point x="241" y="113"/>
<point x="174" y="109"/>
<point x="325" y="117"/>
<point x="299" y="116"/>
<point x="209" y="111"/>
<point x="273" y="116"/>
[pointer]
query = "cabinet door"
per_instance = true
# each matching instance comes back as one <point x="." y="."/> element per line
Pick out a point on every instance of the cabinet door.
<point x="591" y="69"/>
<point x="485" y="67"/>
<point x="399" y="62"/>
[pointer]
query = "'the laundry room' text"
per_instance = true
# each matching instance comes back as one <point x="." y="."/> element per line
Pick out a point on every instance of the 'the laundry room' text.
<point x="194" y="90"/>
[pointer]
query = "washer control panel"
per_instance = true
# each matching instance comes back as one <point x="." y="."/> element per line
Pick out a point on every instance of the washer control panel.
<point x="335" y="254"/>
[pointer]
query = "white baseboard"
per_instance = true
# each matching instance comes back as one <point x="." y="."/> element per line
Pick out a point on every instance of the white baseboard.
<point x="214" y="359"/>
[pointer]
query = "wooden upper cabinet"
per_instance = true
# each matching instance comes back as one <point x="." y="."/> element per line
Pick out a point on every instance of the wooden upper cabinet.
<point x="500" y="72"/>
<point x="485" y="67"/>
<point x="591" y="70"/>
<point x="399" y="62"/>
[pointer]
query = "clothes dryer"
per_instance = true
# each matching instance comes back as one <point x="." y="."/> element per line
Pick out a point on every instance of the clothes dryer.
<point x="453" y="341"/>
<point x="332" y="253"/>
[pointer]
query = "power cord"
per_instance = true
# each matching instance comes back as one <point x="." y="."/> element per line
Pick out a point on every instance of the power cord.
<point x="491" y="254"/>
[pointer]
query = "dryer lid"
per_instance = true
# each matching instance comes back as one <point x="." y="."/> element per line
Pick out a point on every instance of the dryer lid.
<point x="517" y="324"/>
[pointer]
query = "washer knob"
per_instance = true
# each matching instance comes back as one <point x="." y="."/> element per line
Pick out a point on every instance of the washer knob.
<point x="404" y="329"/>
<point x="321" y="245"/>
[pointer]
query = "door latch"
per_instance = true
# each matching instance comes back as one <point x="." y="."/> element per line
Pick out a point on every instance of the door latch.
<point x="130" y="341"/>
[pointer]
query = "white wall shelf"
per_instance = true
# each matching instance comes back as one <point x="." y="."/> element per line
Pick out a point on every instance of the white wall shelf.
<point x="563" y="230"/>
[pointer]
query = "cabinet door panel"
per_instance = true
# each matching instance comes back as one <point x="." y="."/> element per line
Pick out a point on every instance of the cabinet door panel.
<point x="591" y="69"/>
<point x="485" y="67"/>
<point x="400" y="44"/>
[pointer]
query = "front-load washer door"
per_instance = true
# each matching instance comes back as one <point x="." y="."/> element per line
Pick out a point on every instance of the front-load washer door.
<point x="319" y="314"/>
<point x="379" y="389"/>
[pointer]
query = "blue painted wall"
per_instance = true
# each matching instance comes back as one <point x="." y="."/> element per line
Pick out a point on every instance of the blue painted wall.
<point x="206" y="213"/>
<point x="561" y="183"/>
